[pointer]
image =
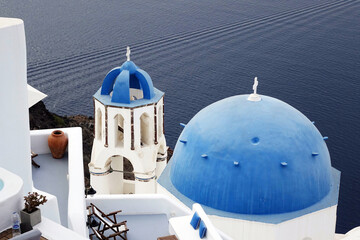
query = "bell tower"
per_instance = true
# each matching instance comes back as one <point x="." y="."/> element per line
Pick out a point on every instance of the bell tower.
<point x="129" y="150"/>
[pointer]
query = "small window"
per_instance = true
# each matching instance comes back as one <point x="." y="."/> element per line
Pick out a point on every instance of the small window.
<point x="119" y="130"/>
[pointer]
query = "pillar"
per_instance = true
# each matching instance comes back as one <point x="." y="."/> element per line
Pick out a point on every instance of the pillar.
<point x="100" y="178"/>
<point x="145" y="183"/>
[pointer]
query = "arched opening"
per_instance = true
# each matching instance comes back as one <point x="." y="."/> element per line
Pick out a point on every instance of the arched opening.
<point x="121" y="179"/>
<point x="98" y="124"/>
<point x="145" y="134"/>
<point x="160" y="122"/>
<point x="119" y="130"/>
<point x="115" y="181"/>
<point x="136" y="94"/>
<point x="128" y="170"/>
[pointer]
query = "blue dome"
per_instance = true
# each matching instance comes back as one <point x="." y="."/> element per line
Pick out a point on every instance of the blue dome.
<point x="121" y="79"/>
<point x="250" y="157"/>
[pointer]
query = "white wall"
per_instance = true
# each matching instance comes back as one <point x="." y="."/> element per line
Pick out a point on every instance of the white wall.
<point x="180" y="226"/>
<point x="14" y="117"/>
<point x="319" y="225"/>
<point x="135" y="204"/>
<point x="51" y="230"/>
<point x="76" y="196"/>
<point x="244" y="230"/>
<point x="11" y="197"/>
<point x="142" y="157"/>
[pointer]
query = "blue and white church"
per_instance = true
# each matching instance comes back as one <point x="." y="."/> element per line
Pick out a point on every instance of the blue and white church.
<point x="129" y="126"/>
<point x="260" y="169"/>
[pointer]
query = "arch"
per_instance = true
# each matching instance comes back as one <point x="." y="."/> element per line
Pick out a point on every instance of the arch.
<point x="108" y="83"/>
<point x="145" y="130"/>
<point x="121" y="93"/>
<point x="119" y="130"/>
<point x="98" y="124"/>
<point x="127" y="81"/>
<point x="122" y="178"/>
<point x="145" y="83"/>
<point x="102" y="159"/>
<point x="128" y="169"/>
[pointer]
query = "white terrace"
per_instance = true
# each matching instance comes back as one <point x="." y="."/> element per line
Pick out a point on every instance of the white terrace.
<point x="148" y="216"/>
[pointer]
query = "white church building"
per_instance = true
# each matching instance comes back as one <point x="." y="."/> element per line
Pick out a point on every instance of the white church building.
<point x="259" y="168"/>
<point x="129" y="127"/>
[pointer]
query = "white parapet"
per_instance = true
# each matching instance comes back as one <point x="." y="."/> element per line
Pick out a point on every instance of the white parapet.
<point x="54" y="231"/>
<point x="76" y="210"/>
<point x="10" y="197"/>
<point x="318" y="225"/>
<point x="14" y="121"/>
<point x="180" y="226"/>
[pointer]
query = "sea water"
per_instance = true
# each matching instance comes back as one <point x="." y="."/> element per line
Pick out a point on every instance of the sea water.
<point x="305" y="53"/>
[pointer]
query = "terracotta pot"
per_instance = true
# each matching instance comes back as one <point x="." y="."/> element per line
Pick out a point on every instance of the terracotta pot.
<point x="30" y="218"/>
<point x="57" y="141"/>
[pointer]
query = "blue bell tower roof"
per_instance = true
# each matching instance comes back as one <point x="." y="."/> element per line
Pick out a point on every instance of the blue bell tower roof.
<point x="121" y="79"/>
<point x="251" y="157"/>
<point x="117" y="85"/>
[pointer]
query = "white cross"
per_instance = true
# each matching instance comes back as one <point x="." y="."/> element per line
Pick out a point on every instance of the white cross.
<point x="255" y="85"/>
<point x="128" y="53"/>
<point x="254" y="97"/>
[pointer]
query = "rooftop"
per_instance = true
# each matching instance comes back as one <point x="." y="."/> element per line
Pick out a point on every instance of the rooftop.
<point x="57" y="171"/>
<point x="106" y="100"/>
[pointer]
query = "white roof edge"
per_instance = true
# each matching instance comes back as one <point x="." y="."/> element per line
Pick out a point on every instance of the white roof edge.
<point x="34" y="96"/>
<point x="8" y="22"/>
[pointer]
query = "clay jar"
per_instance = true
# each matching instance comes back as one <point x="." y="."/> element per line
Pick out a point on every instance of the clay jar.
<point x="57" y="141"/>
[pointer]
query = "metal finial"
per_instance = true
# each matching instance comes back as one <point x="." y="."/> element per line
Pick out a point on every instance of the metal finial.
<point x="256" y="83"/>
<point x="254" y="97"/>
<point x="128" y="51"/>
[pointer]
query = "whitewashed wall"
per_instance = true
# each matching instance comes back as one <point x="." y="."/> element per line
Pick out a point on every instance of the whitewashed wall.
<point x="319" y="225"/>
<point x="180" y="226"/>
<point x="14" y="117"/>
<point x="142" y="157"/>
<point x="76" y="196"/>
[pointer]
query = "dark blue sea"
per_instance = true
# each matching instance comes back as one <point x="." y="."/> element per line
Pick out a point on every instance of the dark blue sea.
<point x="306" y="53"/>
